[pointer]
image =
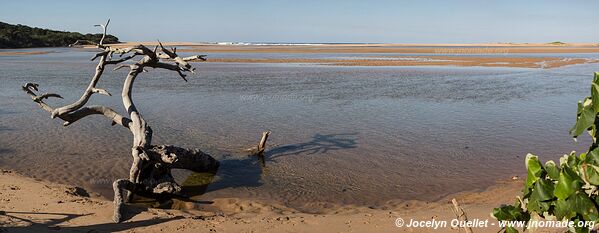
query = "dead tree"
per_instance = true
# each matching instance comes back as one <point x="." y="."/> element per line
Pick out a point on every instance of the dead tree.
<point x="150" y="172"/>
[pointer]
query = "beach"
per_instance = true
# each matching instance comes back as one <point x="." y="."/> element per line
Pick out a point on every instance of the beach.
<point x="34" y="205"/>
<point x="486" y="55"/>
<point x="482" y="48"/>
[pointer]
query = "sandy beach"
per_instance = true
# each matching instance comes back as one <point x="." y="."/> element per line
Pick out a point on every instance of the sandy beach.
<point x="442" y="57"/>
<point x="21" y="53"/>
<point x="33" y="205"/>
<point x="536" y="62"/>
<point x="485" y="55"/>
<point x="399" y="48"/>
<point x="380" y="48"/>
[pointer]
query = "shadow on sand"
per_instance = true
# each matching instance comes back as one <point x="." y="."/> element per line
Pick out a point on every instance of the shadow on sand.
<point x="50" y="223"/>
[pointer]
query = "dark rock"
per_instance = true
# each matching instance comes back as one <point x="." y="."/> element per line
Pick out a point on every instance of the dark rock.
<point x="77" y="191"/>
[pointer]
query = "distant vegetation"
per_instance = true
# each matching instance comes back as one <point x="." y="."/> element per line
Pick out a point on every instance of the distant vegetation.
<point x="21" y="36"/>
<point x="557" y="43"/>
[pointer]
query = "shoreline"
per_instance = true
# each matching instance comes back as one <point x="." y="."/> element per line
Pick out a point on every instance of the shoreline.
<point x="483" y="48"/>
<point x="29" y="204"/>
<point x="482" y="55"/>
<point x="22" y="53"/>
<point x="513" y="62"/>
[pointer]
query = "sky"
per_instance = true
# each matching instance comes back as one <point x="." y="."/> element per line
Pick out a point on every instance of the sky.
<point x="324" y="21"/>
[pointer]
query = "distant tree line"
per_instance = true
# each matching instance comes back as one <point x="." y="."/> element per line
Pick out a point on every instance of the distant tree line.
<point x="21" y="36"/>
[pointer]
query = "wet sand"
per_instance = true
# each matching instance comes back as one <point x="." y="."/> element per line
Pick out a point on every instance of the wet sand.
<point x="380" y="48"/>
<point x="522" y="62"/>
<point x="447" y="60"/>
<point x="389" y="54"/>
<point x="21" y="53"/>
<point x="32" y="205"/>
<point x="436" y="49"/>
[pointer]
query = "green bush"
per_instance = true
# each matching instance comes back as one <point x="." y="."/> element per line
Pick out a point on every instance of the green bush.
<point x="21" y="36"/>
<point x="567" y="192"/>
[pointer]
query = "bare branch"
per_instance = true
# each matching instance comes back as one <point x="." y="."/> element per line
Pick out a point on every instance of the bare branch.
<point x="71" y="117"/>
<point x="100" y="54"/>
<point x="86" y="94"/>
<point x="101" y="43"/>
<point x="460" y="214"/>
<point x="196" y="57"/>
<point x="46" y="96"/>
<point x="169" y="67"/>
<point x="91" y="110"/>
<point x="258" y="150"/>
<point x="121" y="60"/>
<point x="171" y="54"/>
<point x="101" y="91"/>
<point x="262" y="144"/>
<point x="79" y="41"/>
<point x="120" y="66"/>
<point x="30" y="87"/>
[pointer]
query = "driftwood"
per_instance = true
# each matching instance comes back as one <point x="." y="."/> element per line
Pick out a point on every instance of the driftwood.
<point x="258" y="150"/>
<point x="460" y="214"/>
<point x="150" y="172"/>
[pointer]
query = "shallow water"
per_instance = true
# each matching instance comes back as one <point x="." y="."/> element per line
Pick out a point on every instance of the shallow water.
<point x="343" y="135"/>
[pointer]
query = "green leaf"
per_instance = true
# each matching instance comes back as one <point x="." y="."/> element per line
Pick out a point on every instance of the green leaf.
<point x="592" y="173"/>
<point x="536" y="203"/>
<point x="573" y="160"/>
<point x="595" y="97"/>
<point x="510" y="213"/>
<point x="592" y="131"/>
<point x="510" y="230"/>
<point x="501" y="213"/>
<point x="534" y="168"/>
<point x="563" y="211"/>
<point x="567" y="183"/>
<point x="552" y="170"/>
<point x="577" y="229"/>
<point x="584" y="121"/>
<point x="583" y="156"/>
<point x="526" y="191"/>
<point x="592" y="157"/>
<point x="579" y="109"/>
<point x="544" y="190"/>
<point x="583" y="205"/>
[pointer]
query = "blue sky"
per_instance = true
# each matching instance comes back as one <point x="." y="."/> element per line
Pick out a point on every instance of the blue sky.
<point x="407" y="21"/>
